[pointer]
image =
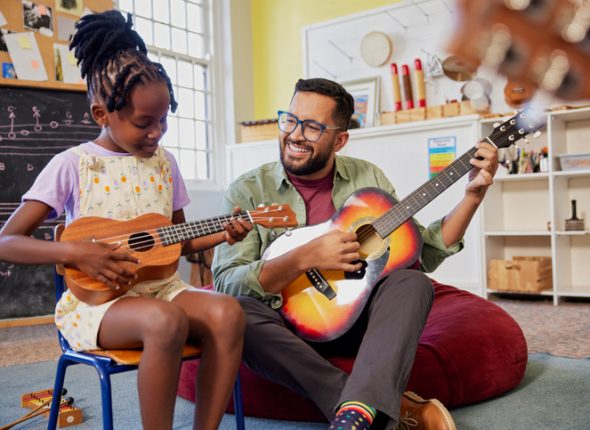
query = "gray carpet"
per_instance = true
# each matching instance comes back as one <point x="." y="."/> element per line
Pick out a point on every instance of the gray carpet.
<point x="555" y="394"/>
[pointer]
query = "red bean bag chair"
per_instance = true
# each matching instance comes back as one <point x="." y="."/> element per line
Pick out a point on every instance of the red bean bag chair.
<point x="470" y="350"/>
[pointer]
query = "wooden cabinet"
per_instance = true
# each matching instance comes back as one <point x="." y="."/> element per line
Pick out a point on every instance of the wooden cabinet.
<point x="524" y="214"/>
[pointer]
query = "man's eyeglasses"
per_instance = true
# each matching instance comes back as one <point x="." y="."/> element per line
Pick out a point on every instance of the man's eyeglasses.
<point x="310" y="130"/>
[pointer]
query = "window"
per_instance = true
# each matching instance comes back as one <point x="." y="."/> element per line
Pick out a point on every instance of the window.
<point x="177" y="34"/>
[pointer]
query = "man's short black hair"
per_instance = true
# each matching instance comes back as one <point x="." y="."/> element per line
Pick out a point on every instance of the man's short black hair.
<point x="344" y="101"/>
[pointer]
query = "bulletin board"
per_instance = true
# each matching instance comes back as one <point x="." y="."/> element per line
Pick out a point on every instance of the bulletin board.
<point x="416" y="29"/>
<point x="55" y="13"/>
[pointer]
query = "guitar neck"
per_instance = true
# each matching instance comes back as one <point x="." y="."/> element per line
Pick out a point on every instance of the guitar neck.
<point x="191" y="230"/>
<point x="410" y="205"/>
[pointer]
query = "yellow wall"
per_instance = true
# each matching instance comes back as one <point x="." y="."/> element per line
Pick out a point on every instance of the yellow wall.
<point x="277" y="55"/>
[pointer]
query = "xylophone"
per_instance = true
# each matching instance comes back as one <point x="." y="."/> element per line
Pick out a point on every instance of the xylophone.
<point x="40" y="403"/>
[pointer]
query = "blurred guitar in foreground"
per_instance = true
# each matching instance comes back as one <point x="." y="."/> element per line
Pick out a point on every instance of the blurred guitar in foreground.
<point x="543" y="43"/>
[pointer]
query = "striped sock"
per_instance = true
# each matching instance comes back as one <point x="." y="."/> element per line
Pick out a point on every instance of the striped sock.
<point x="353" y="416"/>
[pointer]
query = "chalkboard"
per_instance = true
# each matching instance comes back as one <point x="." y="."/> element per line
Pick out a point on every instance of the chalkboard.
<point x="35" y="125"/>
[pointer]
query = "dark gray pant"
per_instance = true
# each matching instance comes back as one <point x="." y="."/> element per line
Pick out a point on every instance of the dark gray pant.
<point x="384" y="340"/>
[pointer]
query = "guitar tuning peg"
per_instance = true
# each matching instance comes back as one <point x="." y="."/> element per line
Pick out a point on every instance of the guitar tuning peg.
<point x="496" y="124"/>
<point x="537" y="134"/>
<point x="525" y="140"/>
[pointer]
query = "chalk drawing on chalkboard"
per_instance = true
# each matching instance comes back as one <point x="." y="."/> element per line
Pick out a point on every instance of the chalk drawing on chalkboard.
<point x="35" y="125"/>
<point x="10" y="130"/>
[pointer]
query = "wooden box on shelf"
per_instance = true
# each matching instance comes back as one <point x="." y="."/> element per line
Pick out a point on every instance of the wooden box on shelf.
<point x="251" y="131"/>
<point x="451" y="109"/>
<point x="521" y="274"/>
<point x="387" y="118"/>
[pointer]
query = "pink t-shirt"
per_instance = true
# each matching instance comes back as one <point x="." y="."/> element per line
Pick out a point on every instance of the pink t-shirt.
<point x="317" y="196"/>
<point x="58" y="184"/>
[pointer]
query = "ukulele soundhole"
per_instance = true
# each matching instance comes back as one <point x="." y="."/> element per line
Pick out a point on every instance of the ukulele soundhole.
<point x="141" y="242"/>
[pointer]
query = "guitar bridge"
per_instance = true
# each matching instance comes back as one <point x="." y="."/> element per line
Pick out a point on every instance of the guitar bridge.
<point x="319" y="283"/>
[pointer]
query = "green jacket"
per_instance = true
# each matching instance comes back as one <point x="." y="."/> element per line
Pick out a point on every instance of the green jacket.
<point x="236" y="267"/>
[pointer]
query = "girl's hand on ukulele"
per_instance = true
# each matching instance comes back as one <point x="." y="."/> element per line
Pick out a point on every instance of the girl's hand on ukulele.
<point x="236" y="229"/>
<point x="102" y="261"/>
<point x="336" y="250"/>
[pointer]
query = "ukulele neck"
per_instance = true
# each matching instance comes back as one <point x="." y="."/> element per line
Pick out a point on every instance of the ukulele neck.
<point x="191" y="230"/>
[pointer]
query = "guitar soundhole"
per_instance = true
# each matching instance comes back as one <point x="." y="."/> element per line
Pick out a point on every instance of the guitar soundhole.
<point x="372" y="245"/>
<point x="141" y="242"/>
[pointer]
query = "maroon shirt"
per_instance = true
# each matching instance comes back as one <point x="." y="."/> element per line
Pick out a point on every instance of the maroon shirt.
<point x="317" y="196"/>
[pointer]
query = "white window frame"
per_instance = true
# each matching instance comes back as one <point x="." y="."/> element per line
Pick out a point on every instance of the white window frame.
<point x="219" y="89"/>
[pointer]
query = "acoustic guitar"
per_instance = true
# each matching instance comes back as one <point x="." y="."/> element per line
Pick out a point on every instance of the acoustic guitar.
<point x="155" y="241"/>
<point x="544" y="44"/>
<point x="323" y="305"/>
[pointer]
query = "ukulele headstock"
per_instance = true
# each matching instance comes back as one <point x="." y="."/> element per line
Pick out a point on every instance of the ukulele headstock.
<point x="274" y="216"/>
<point x="539" y="43"/>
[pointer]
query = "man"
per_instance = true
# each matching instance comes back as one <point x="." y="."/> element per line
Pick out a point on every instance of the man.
<point x="315" y="182"/>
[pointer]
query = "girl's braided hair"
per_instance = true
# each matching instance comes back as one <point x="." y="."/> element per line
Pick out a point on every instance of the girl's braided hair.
<point x="113" y="59"/>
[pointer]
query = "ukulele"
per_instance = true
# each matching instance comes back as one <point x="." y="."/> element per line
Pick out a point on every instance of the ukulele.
<point x="322" y="305"/>
<point x="155" y="241"/>
<point x="538" y="43"/>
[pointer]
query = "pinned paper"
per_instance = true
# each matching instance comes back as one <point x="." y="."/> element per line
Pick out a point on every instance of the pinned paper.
<point x="8" y="71"/>
<point x="65" y="27"/>
<point x="2" y="19"/>
<point x="25" y="55"/>
<point x="73" y="7"/>
<point x="66" y="62"/>
<point x="38" y="17"/>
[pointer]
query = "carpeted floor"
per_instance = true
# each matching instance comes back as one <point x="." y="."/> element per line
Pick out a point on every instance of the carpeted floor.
<point x="553" y="395"/>
<point x="561" y="330"/>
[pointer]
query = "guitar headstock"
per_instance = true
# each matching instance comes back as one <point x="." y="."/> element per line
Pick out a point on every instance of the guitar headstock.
<point x="542" y="43"/>
<point x="274" y="216"/>
<point x="525" y="122"/>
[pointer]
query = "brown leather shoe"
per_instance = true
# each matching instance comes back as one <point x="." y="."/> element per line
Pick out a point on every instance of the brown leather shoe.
<point x="419" y="414"/>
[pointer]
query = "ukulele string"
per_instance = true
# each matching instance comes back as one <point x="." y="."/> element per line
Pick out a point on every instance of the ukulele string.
<point x="205" y="225"/>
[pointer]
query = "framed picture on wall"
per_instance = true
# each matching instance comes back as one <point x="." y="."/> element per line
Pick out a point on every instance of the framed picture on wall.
<point x="365" y="92"/>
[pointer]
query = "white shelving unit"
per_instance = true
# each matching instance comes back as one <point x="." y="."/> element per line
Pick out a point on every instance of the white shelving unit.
<point x="524" y="214"/>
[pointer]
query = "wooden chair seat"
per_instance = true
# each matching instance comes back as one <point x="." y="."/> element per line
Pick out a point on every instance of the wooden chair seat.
<point x="131" y="357"/>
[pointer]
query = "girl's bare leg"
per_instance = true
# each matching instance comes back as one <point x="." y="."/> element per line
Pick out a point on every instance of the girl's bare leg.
<point x="217" y="322"/>
<point x="161" y="328"/>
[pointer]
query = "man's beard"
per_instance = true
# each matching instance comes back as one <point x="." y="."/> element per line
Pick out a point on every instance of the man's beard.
<point x="314" y="164"/>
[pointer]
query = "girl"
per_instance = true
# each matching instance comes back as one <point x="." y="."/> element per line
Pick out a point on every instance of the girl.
<point x="122" y="174"/>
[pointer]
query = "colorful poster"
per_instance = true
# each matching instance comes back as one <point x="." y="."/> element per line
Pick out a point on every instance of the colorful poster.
<point x="442" y="151"/>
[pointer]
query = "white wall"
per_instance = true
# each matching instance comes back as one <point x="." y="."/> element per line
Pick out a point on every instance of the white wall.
<point x="204" y="204"/>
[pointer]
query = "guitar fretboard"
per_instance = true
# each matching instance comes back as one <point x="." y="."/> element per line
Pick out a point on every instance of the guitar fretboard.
<point x="190" y="230"/>
<point x="410" y="205"/>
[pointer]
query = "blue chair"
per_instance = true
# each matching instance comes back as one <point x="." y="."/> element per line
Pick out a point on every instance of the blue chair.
<point x="108" y="362"/>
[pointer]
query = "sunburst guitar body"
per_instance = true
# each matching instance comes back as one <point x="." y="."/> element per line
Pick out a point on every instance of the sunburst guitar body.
<point x="323" y="305"/>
